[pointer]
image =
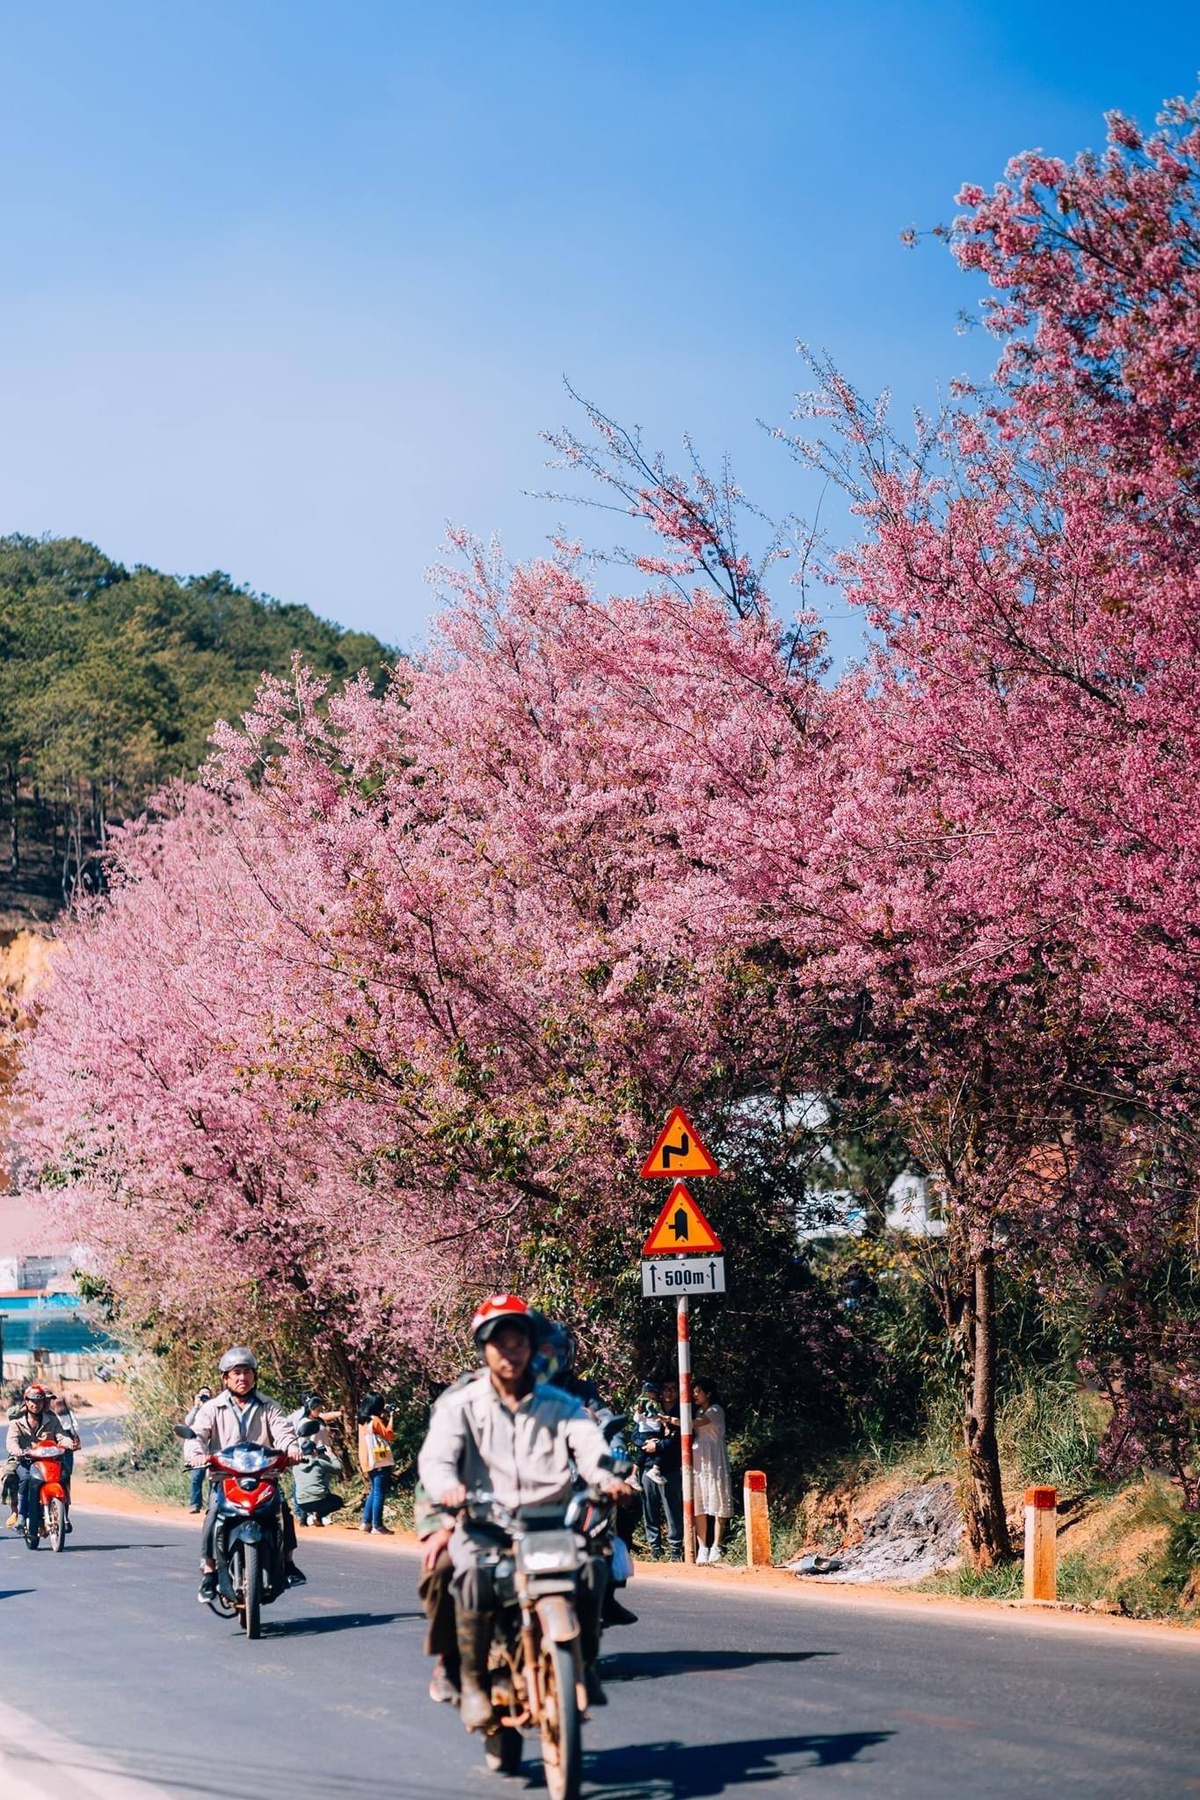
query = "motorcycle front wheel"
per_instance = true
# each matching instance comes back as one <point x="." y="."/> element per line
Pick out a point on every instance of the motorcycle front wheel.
<point x="562" y="1736"/>
<point x="33" y="1524"/>
<point x="252" y="1590"/>
<point x="56" y="1521"/>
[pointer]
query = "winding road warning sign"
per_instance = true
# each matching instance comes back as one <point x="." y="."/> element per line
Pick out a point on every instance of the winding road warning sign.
<point x="679" y="1151"/>
<point x="681" y="1228"/>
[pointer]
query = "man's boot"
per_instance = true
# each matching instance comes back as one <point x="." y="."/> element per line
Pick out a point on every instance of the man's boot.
<point x="474" y="1635"/>
<point x="614" y="1612"/>
<point x="595" y="1689"/>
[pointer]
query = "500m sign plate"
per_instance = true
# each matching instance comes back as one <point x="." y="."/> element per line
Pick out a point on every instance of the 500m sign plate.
<point x="666" y="1280"/>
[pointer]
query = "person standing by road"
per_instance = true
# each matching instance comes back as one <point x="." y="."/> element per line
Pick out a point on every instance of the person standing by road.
<point x="713" y="1485"/>
<point x="312" y="1407"/>
<point x="375" y="1435"/>
<point x="661" y="1468"/>
<point x="671" y="1464"/>
<point x="196" y="1476"/>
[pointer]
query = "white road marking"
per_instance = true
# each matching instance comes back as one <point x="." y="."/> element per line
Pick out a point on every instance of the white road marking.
<point x="38" y="1763"/>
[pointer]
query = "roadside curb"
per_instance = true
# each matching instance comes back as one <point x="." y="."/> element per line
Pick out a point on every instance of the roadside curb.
<point x="763" y="1584"/>
<point x="1032" y="1615"/>
<point x="111" y="1497"/>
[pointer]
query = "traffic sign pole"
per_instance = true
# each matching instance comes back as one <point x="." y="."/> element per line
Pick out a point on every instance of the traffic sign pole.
<point x="683" y="1334"/>
<point x="682" y="1234"/>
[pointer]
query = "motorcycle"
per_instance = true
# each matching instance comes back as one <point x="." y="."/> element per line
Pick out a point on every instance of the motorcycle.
<point x="248" y="1542"/>
<point x="535" y="1666"/>
<point x="47" y="1514"/>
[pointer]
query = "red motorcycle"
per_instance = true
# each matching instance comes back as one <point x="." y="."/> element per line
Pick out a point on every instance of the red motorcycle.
<point x="248" y="1543"/>
<point x="46" y="1515"/>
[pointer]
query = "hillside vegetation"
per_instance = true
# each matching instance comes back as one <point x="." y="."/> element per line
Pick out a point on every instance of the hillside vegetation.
<point x="110" y="682"/>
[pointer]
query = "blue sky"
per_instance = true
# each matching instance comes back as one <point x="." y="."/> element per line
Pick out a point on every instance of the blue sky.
<point x="288" y="287"/>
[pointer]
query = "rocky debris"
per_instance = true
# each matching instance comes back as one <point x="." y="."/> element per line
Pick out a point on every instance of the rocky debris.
<point x="906" y="1538"/>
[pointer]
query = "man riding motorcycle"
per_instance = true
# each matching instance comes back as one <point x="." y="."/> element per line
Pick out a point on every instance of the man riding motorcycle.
<point x="518" y="1439"/>
<point x="239" y="1414"/>
<point x="34" y="1423"/>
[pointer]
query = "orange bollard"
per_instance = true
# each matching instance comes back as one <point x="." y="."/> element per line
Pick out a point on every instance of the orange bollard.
<point x="758" y="1523"/>
<point x="1041" y="1543"/>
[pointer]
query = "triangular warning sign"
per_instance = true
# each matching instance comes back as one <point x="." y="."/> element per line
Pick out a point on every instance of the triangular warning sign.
<point x="680" y="1227"/>
<point x="679" y="1150"/>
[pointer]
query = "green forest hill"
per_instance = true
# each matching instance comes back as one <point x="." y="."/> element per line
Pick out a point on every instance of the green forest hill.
<point x="110" y="682"/>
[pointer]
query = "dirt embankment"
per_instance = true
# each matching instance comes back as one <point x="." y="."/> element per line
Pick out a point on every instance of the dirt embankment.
<point x="25" y="962"/>
<point x="1118" y="1549"/>
<point x="25" y="959"/>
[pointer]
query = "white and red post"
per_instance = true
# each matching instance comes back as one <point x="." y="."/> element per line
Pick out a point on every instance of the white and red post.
<point x="1041" y="1543"/>
<point x="684" y="1336"/>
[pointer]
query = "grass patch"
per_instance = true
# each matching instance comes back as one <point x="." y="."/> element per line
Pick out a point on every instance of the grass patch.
<point x="1001" y="1583"/>
<point x="1049" y="1433"/>
<point x="145" y="1471"/>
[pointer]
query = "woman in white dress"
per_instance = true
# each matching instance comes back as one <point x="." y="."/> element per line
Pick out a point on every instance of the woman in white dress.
<point x="714" y="1489"/>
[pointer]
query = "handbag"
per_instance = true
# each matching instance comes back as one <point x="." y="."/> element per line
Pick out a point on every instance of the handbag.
<point x="622" y="1561"/>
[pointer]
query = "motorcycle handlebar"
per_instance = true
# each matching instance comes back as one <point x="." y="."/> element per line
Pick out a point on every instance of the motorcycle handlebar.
<point x="481" y="1500"/>
<point x="278" y="1460"/>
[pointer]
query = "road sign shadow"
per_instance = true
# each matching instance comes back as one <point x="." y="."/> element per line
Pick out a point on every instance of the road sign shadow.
<point x="675" y="1771"/>
<point x="654" y="1665"/>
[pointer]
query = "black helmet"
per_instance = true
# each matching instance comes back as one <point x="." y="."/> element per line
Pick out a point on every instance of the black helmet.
<point x="554" y="1345"/>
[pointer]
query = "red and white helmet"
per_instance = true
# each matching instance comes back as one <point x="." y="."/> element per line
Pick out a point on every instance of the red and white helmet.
<point x="35" y="1391"/>
<point x="497" y="1310"/>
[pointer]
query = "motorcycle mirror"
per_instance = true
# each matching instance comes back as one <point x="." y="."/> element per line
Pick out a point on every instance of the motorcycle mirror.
<point x="308" y="1429"/>
<point x="183" y="1431"/>
<point x="612" y="1426"/>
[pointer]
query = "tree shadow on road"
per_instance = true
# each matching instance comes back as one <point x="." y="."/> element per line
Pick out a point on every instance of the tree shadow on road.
<point x="356" y="1621"/>
<point x="654" y="1665"/>
<point x="675" y="1771"/>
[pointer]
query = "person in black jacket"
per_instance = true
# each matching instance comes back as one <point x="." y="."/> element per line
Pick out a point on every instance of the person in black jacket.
<point x="660" y="1461"/>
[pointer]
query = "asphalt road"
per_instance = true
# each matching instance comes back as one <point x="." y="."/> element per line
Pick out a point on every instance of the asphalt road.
<point x="106" y="1658"/>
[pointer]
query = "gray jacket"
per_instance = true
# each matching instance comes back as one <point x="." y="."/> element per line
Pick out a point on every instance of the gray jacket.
<point x="314" y="1477"/>
<point x="523" y="1457"/>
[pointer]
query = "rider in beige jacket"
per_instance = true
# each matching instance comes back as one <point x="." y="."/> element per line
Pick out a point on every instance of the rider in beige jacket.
<point x="239" y="1414"/>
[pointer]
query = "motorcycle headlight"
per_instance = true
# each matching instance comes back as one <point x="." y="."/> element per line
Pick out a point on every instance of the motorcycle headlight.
<point x="548" y="1553"/>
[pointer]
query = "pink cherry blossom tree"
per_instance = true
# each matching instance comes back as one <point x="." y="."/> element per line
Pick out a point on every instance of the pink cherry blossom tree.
<point x="1030" y="563"/>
